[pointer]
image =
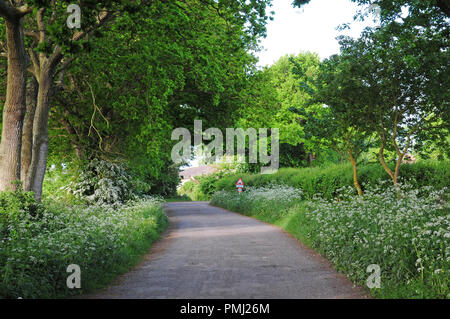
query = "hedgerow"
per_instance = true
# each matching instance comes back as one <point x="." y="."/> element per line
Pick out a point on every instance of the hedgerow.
<point x="325" y="181"/>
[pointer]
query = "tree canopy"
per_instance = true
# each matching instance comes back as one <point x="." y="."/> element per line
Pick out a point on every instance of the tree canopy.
<point x="116" y="87"/>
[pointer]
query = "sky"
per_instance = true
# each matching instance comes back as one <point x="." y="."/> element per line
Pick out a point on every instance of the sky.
<point x="311" y="28"/>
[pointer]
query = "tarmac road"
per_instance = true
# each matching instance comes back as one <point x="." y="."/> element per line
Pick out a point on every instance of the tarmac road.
<point x="209" y="252"/>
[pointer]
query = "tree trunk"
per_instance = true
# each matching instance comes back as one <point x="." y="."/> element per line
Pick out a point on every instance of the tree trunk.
<point x="27" y="131"/>
<point x="14" y="108"/>
<point x="355" y="174"/>
<point x="397" y="168"/>
<point x="35" y="176"/>
<point x="383" y="162"/>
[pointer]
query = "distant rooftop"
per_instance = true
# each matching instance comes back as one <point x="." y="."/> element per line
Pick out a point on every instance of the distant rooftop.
<point x="197" y="171"/>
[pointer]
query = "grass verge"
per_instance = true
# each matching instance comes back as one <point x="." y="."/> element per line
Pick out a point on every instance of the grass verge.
<point x="405" y="233"/>
<point x="39" y="241"/>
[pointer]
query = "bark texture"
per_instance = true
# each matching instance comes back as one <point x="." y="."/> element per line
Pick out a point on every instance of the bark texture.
<point x="355" y="173"/>
<point x="14" y="108"/>
<point x="27" y="131"/>
<point x="38" y="165"/>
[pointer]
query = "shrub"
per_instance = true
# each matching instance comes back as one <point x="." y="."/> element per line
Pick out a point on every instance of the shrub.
<point x="17" y="203"/>
<point x="327" y="180"/>
<point x="204" y="187"/>
<point x="105" y="183"/>
<point x="103" y="241"/>
<point x="407" y="235"/>
<point x="15" y="207"/>
<point x="193" y="191"/>
<point x="270" y="201"/>
<point x="167" y="183"/>
<point x="56" y="181"/>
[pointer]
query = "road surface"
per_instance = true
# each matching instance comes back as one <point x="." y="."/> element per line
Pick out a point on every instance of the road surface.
<point x="209" y="252"/>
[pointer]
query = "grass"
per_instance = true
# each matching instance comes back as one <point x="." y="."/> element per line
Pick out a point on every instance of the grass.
<point x="407" y="234"/>
<point x="39" y="241"/>
<point x="324" y="180"/>
<point x="179" y="198"/>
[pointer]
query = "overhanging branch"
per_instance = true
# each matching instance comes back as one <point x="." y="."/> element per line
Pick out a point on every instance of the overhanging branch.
<point x="12" y="13"/>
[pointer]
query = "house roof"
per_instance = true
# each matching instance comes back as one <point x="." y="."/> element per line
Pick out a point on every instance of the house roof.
<point x="197" y="171"/>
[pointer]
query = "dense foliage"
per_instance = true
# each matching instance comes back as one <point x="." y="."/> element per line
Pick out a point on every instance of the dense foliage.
<point x="324" y="181"/>
<point x="389" y="87"/>
<point x="117" y="87"/>
<point x="87" y="115"/>
<point x="39" y="241"/>
<point x="105" y="183"/>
